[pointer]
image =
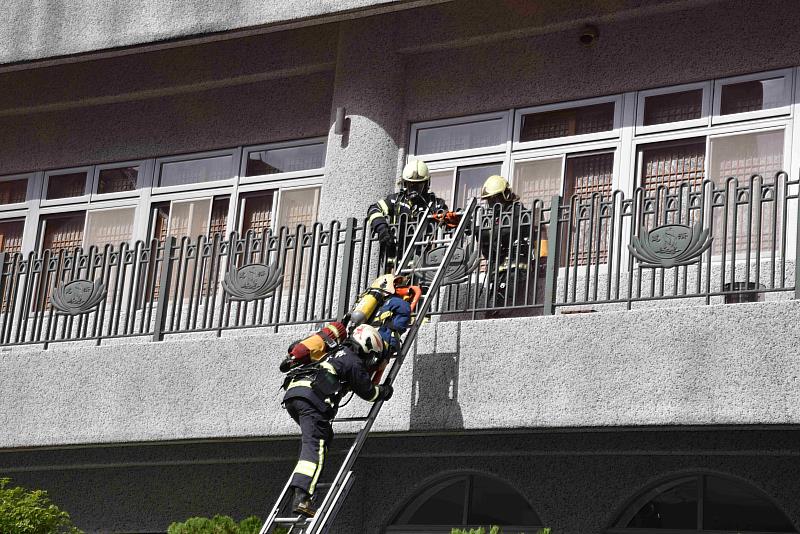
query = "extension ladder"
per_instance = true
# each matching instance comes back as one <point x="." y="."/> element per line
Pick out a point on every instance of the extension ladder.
<point x="337" y="491"/>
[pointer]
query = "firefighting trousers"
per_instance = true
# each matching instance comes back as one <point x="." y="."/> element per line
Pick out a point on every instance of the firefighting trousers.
<point x="317" y="432"/>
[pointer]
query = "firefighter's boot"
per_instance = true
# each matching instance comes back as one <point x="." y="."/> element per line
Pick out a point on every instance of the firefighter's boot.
<point x="302" y="503"/>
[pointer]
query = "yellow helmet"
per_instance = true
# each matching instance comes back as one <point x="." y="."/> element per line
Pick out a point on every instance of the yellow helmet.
<point x="385" y="283"/>
<point x="496" y="185"/>
<point x="416" y="171"/>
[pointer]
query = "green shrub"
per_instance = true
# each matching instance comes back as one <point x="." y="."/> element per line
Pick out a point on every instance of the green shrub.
<point x="219" y="524"/>
<point x="31" y="512"/>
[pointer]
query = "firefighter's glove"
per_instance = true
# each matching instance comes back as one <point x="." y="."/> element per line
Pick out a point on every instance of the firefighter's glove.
<point x="386" y="239"/>
<point x="385" y="392"/>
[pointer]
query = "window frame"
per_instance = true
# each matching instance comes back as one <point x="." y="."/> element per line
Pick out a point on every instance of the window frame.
<point x="214" y="184"/>
<point x="633" y="504"/>
<point x="111" y="207"/>
<point x="567" y="151"/>
<point x="280" y="176"/>
<point x="455" y="163"/>
<point x="29" y="190"/>
<point x="79" y="199"/>
<point x="432" y="486"/>
<point x="457" y="154"/>
<point x="705" y="111"/>
<point x="141" y="180"/>
<point x="521" y="160"/>
<point x="614" y="133"/>
<point x="276" y="188"/>
<point x="784" y="109"/>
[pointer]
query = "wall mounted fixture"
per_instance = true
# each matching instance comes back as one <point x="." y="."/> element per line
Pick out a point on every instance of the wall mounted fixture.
<point x="589" y="35"/>
<point x="340" y="126"/>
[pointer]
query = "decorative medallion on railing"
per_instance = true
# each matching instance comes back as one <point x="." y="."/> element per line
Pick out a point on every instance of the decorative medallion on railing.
<point x="461" y="266"/>
<point x="253" y="281"/>
<point x="78" y="296"/>
<point x="670" y="245"/>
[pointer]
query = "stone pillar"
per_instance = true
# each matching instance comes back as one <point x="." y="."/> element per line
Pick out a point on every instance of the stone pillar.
<point x="362" y="164"/>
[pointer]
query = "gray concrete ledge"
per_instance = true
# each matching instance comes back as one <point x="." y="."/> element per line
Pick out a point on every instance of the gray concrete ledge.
<point x="704" y="365"/>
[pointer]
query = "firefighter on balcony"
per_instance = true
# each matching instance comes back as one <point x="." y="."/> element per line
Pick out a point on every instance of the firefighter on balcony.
<point x="411" y="201"/>
<point x="506" y="231"/>
<point x="312" y="399"/>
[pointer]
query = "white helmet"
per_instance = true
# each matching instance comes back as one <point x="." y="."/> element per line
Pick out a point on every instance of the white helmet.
<point x="368" y="338"/>
<point x="416" y="171"/>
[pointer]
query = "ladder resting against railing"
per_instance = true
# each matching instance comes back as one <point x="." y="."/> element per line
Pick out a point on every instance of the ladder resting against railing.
<point x="553" y="254"/>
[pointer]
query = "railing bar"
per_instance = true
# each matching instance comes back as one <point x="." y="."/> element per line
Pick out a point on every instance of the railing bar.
<point x="758" y="226"/>
<point x="196" y="283"/>
<point x="748" y="252"/>
<point x="726" y="201"/>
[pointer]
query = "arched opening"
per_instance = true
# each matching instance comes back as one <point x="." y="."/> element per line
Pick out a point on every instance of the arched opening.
<point x="702" y="503"/>
<point x="465" y="500"/>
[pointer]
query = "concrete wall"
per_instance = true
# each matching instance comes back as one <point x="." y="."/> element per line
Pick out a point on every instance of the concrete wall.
<point x="46" y="28"/>
<point x="635" y="50"/>
<point x="577" y="481"/>
<point x="727" y="364"/>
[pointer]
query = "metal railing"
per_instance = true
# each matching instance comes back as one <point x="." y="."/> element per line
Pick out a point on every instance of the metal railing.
<point x="554" y="256"/>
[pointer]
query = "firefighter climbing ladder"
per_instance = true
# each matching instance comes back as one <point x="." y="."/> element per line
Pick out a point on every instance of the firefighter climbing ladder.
<point x="338" y="489"/>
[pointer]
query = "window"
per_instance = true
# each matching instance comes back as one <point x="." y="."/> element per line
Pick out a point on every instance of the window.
<point x="62" y="232"/>
<point x="567" y="122"/>
<point x="575" y="122"/>
<point x="742" y="155"/>
<point x="13" y="191"/>
<point x="699" y="503"/>
<point x="109" y="227"/>
<point x="457" y="185"/>
<point x="460" y="135"/>
<point x="753" y="96"/>
<point x="117" y="180"/>
<point x="286" y="159"/>
<point x="538" y="179"/>
<point x="11" y="235"/>
<point x="66" y="185"/>
<point x="195" y="171"/>
<point x="256" y="210"/>
<point x="674" y="107"/>
<point x="672" y="163"/>
<point x="189" y="218"/>
<point x="463" y="501"/>
<point x="589" y="174"/>
<point x="298" y="206"/>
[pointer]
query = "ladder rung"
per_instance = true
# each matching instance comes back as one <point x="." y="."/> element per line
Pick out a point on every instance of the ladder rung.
<point x="418" y="270"/>
<point x="425" y="242"/>
<point x="290" y="520"/>
<point x="350" y="419"/>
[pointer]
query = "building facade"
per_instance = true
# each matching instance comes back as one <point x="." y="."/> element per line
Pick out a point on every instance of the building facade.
<point x="670" y="408"/>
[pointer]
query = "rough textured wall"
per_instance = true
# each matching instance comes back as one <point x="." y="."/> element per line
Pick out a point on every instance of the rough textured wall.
<point x="726" y="364"/>
<point x="35" y="29"/>
<point x="714" y="39"/>
<point x="578" y="482"/>
<point x="274" y="110"/>
<point x="217" y="95"/>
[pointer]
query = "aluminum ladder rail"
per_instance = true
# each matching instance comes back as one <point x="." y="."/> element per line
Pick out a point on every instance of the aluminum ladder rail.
<point x="340" y="487"/>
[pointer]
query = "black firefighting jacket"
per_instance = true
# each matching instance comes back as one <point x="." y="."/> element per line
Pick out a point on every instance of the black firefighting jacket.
<point x="390" y="209"/>
<point x="505" y="235"/>
<point x="324" y="384"/>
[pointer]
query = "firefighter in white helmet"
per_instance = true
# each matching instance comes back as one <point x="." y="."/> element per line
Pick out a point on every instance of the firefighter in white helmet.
<point x="412" y="199"/>
<point x="312" y="398"/>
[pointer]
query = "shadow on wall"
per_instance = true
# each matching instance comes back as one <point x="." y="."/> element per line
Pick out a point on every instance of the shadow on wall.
<point x="434" y="390"/>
